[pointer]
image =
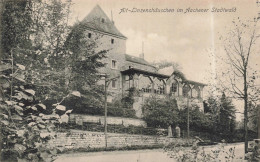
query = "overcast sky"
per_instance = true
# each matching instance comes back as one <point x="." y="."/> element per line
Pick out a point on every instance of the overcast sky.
<point x="178" y="37"/>
<point x="182" y="38"/>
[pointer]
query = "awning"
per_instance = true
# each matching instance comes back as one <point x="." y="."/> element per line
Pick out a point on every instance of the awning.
<point x="133" y="71"/>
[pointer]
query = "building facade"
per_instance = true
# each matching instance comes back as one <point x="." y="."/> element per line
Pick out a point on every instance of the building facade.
<point x="126" y="71"/>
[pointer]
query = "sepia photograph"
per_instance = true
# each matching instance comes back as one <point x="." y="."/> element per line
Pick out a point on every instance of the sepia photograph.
<point x="129" y="81"/>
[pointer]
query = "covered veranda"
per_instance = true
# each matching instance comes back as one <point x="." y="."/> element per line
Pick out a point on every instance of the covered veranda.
<point x="144" y="81"/>
<point x="155" y="83"/>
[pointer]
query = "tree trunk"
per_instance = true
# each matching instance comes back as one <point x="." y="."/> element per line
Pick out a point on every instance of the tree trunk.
<point x="258" y="120"/>
<point x="1" y="52"/>
<point x="245" y="112"/>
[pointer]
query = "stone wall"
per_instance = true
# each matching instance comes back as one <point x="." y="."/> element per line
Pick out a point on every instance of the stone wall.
<point x="85" y="139"/>
<point x="79" y="118"/>
<point x="116" y="52"/>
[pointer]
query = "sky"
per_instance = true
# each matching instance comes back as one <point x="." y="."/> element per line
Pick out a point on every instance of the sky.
<point x="178" y="37"/>
<point x="186" y="38"/>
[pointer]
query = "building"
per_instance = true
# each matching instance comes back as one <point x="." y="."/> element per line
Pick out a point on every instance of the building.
<point x="128" y="71"/>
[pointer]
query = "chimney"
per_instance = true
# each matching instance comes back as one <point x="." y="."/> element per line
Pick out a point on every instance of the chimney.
<point x="112" y="17"/>
<point x="142" y="54"/>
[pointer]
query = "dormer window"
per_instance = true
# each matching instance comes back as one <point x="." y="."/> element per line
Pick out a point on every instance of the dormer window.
<point x="103" y="20"/>
<point x="112" y="41"/>
<point x="89" y="35"/>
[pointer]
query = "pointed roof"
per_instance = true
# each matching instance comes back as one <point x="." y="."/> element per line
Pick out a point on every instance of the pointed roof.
<point x="98" y="20"/>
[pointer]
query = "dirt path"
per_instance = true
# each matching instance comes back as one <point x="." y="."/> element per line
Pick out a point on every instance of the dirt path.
<point x="157" y="155"/>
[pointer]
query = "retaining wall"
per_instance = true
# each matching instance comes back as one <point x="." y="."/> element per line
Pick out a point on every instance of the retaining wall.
<point x="85" y="139"/>
<point x="79" y="118"/>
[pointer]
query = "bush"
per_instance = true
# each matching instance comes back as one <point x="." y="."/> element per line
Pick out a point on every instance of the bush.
<point x="239" y="135"/>
<point x="111" y="111"/>
<point x="160" y="112"/>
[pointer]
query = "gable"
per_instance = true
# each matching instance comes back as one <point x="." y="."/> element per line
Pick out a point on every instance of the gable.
<point x="98" y="20"/>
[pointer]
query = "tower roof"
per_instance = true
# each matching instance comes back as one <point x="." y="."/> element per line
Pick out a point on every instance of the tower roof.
<point x="98" y="20"/>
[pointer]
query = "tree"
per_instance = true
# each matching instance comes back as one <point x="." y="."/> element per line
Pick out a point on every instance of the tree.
<point x="160" y="112"/>
<point x="227" y="118"/>
<point x="35" y="80"/>
<point x="239" y="78"/>
<point x="165" y="64"/>
<point x="83" y="64"/>
<point x="33" y="36"/>
<point x="198" y="120"/>
<point x="253" y="118"/>
<point x="32" y="33"/>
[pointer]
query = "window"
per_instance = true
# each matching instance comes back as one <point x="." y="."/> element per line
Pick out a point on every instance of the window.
<point x="112" y="41"/>
<point x="185" y="91"/>
<point x="174" y="87"/>
<point x="161" y="90"/>
<point x="113" y="66"/>
<point x="113" y="83"/>
<point x="102" y="20"/>
<point x="89" y="35"/>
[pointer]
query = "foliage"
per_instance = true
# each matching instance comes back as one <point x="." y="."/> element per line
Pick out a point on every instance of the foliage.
<point x="240" y="74"/>
<point x="211" y="105"/>
<point x="226" y="123"/>
<point x="165" y="63"/>
<point x="26" y="125"/>
<point x="125" y="101"/>
<point x="239" y="135"/>
<point x="87" y="105"/>
<point x="38" y="73"/>
<point x="160" y="112"/>
<point x="198" y="120"/>
<point x="179" y="74"/>
<point x="111" y="111"/>
<point x="218" y="120"/>
<point x="121" y="112"/>
<point x="165" y="112"/>
<point x="132" y="147"/>
<point x="253" y="117"/>
<point x="196" y="153"/>
<point x="83" y="65"/>
<point x="34" y="34"/>
<point x="221" y="113"/>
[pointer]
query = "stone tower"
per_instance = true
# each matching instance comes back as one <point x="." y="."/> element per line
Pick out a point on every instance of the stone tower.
<point x="101" y="29"/>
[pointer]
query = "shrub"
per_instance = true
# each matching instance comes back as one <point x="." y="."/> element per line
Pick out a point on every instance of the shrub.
<point x="160" y="112"/>
<point x="111" y="111"/>
<point x="183" y="153"/>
